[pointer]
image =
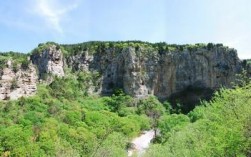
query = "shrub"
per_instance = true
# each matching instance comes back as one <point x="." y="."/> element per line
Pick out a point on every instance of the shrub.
<point x="13" y="84"/>
<point x="25" y="64"/>
<point x="210" y="46"/>
<point x="15" y="67"/>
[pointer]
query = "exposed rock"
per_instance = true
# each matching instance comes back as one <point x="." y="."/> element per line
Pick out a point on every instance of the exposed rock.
<point x="49" y="61"/>
<point x="138" y="71"/>
<point x="80" y="61"/>
<point x="144" y="72"/>
<point x="17" y="84"/>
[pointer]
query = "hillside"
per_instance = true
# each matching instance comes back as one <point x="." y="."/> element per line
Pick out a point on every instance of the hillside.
<point x="184" y="74"/>
<point x="220" y="127"/>
<point x="92" y="99"/>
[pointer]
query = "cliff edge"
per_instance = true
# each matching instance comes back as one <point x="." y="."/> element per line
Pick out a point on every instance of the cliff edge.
<point x="140" y="69"/>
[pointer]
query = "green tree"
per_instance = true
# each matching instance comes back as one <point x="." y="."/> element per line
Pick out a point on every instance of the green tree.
<point x="118" y="102"/>
<point x="153" y="109"/>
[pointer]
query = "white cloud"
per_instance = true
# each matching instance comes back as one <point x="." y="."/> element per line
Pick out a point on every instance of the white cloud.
<point x="53" y="12"/>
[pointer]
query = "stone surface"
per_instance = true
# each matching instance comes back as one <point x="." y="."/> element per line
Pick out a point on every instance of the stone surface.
<point x="145" y="72"/>
<point x="49" y="61"/>
<point x="139" y="72"/>
<point x="17" y="84"/>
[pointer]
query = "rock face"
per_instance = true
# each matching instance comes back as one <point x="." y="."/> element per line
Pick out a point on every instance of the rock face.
<point x="49" y="61"/>
<point x="143" y="72"/>
<point x="17" y="84"/>
<point x="138" y="71"/>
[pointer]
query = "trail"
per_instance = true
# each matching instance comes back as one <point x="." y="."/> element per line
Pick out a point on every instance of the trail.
<point x="141" y="143"/>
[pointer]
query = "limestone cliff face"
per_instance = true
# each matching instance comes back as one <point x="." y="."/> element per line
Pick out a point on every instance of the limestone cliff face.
<point x="138" y="71"/>
<point x="143" y="72"/>
<point x="49" y="61"/>
<point x="15" y="84"/>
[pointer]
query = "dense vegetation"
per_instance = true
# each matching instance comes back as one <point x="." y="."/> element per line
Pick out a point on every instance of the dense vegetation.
<point x="61" y="120"/>
<point x="101" y="46"/>
<point x="248" y="61"/>
<point x="17" y="58"/>
<point x="220" y="127"/>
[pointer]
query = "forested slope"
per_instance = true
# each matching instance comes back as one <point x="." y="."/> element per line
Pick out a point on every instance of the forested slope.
<point x="65" y="113"/>
<point x="221" y="127"/>
<point x="62" y="121"/>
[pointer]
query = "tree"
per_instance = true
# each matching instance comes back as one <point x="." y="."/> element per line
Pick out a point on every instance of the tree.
<point x="153" y="109"/>
<point x="118" y="102"/>
<point x="25" y="64"/>
<point x="210" y="46"/>
<point x="242" y="79"/>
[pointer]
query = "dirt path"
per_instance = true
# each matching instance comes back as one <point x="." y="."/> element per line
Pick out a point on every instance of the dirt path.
<point x="141" y="143"/>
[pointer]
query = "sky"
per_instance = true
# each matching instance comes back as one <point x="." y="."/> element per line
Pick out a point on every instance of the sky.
<point x="26" y="23"/>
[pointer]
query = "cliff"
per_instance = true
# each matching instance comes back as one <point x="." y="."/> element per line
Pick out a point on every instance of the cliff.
<point x="49" y="61"/>
<point x="143" y="71"/>
<point x="140" y="69"/>
<point x="17" y="81"/>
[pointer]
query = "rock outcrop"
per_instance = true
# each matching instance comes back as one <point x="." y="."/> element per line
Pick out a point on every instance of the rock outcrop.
<point x="144" y="72"/>
<point x="139" y="71"/>
<point x="49" y="61"/>
<point x="15" y="84"/>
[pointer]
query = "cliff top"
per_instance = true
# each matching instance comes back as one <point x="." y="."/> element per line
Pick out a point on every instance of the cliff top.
<point x="98" y="46"/>
<point x="101" y="46"/>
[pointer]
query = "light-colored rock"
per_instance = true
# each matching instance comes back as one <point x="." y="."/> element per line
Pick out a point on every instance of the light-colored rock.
<point x="142" y="73"/>
<point x="139" y="73"/>
<point x="49" y="61"/>
<point x="15" y="85"/>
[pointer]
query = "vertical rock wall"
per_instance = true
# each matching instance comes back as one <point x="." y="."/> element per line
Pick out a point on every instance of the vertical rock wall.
<point x="143" y="72"/>
<point x="15" y="84"/>
<point x="139" y="72"/>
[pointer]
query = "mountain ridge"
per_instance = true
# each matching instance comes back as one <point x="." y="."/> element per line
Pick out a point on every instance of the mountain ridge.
<point x="139" y="68"/>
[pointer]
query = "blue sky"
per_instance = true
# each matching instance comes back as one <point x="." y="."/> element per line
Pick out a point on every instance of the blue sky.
<point x="25" y="23"/>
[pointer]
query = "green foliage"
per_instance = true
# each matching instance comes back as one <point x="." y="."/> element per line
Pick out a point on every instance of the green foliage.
<point x="15" y="141"/>
<point x="172" y="123"/>
<point x="44" y="46"/>
<point x="243" y="78"/>
<point x="47" y="126"/>
<point x="16" y="58"/>
<point x="25" y="64"/>
<point x="15" y="67"/>
<point x="119" y="102"/>
<point x="153" y="109"/>
<point x="116" y="47"/>
<point x="218" y="128"/>
<point x="113" y="146"/>
<point x="62" y="121"/>
<point x="210" y="46"/>
<point x="13" y="84"/>
<point x="87" y="79"/>
<point x="64" y="88"/>
<point x="248" y="61"/>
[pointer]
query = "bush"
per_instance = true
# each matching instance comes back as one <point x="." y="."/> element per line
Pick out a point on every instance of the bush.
<point x="13" y="84"/>
<point x="14" y="67"/>
<point x="219" y="128"/>
<point x="210" y="46"/>
<point x="25" y="64"/>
